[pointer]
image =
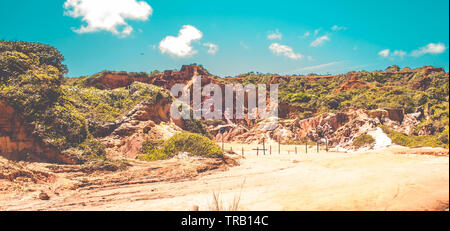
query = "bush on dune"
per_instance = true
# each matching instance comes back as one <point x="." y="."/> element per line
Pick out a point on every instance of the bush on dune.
<point x="192" y="143"/>
<point x="363" y="140"/>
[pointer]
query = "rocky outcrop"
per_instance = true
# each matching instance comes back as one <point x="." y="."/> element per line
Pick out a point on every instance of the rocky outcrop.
<point x="422" y="84"/>
<point x="352" y="81"/>
<point x="145" y="121"/>
<point x="17" y="141"/>
<point x="166" y="79"/>
<point x="270" y="130"/>
<point x="112" y="81"/>
<point x="321" y="123"/>
<point x="340" y="129"/>
<point x="343" y="127"/>
<point x="288" y="111"/>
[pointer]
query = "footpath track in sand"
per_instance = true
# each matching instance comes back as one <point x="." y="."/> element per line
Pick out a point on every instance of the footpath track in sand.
<point x="376" y="180"/>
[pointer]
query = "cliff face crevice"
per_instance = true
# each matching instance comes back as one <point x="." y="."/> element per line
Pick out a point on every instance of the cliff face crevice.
<point x="18" y="143"/>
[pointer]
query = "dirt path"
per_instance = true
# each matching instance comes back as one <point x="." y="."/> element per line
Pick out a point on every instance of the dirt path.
<point x="378" y="180"/>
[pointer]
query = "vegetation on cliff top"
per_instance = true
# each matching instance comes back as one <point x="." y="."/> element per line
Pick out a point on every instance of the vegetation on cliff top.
<point x="91" y="81"/>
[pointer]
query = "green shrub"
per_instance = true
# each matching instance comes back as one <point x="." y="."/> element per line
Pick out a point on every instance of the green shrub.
<point x="196" y="126"/>
<point x="443" y="137"/>
<point x="63" y="125"/>
<point x="298" y="97"/>
<point x="103" y="106"/>
<point x="149" y="145"/>
<point x="416" y="141"/>
<point x="363" y="140"/>
<point x="192" y="143"/>
<point x="154" y="155"/>
<point x="93" y="149"/>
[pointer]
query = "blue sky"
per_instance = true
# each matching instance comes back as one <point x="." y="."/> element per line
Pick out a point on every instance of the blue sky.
<point x="233" y="37"/>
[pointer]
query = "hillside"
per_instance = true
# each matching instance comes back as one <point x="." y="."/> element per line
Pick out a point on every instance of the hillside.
<point x="72" y="120"/>
<point x="419" y="97"/>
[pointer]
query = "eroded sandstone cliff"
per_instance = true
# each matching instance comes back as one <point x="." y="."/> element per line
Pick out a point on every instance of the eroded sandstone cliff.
<point x="17" y="142"/>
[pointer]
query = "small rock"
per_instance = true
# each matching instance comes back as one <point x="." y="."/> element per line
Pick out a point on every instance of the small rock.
<point x="44" y="196"/>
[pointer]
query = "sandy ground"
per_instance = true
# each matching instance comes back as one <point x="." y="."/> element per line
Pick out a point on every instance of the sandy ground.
<point x="389" y="179"/>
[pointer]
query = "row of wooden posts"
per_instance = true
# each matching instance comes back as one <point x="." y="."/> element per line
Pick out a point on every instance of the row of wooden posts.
<point x="279" y="149"/>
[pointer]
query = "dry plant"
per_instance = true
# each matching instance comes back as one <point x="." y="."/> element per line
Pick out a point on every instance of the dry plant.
<point x="218" y="205"/>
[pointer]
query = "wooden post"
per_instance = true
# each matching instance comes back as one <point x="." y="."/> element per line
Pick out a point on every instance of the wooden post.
<point x="306" y="147"/>
<point x="279" y="150"/>
<point x="242" y="151"/>
<point x="257" y="151"/>
<point x="326" y="142"/>
<point x="317" y="147"/>
<point x="295" y="150"/>
<point x="264" y="147"/>
<point x="270" y="149"/>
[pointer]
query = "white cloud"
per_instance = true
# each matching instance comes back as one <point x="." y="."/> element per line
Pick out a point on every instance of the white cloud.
<point x="180" y="46"/>
<point x="431" y="48"/>
<point x="275" y="35"/>
<point x="387" y="53"/>
<point x="384" y="53"/>
<point x="212" y="48"/>
<point x="305" y="35"/>
<point x="287" y="51"/>
<point x="319" y="41"/>
<point x="108" y="15"/>
<point x="338" y="28"/>
<point x="399" y="53"/>
<point x="317" y="67"/>
<point x="316" y="32"/>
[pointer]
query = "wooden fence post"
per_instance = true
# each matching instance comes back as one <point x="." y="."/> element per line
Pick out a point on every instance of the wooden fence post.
<point x="279" y="149"/>
<point x="264" y="148"/>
